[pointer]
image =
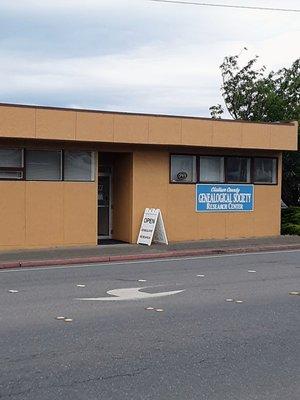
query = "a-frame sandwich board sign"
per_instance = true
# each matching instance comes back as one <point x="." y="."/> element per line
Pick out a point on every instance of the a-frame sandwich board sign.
<point x="152" y="228"/>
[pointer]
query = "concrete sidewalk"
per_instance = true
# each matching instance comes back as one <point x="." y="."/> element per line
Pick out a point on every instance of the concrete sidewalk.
<point x="123" y="252"/>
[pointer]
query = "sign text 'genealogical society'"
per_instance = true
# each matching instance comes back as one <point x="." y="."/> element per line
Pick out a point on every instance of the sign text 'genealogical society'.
<point x="224" y="197"/>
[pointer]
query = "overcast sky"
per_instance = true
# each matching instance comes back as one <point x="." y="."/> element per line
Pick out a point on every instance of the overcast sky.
<point x="134" y="55"/>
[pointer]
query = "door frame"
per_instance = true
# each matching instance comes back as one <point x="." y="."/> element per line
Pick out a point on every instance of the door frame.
<point x="110" y="208"/>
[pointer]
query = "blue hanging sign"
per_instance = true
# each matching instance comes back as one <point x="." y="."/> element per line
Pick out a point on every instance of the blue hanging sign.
<point x="224" y="198"/>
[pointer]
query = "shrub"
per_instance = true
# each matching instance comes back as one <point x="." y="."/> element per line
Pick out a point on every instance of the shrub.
<point x="290" y="221"/>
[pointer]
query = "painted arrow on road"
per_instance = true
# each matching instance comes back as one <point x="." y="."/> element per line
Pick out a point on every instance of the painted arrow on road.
<point x="130" y="294"/>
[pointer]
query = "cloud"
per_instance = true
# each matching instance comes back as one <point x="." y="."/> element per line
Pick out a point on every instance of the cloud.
<point x="131" y="55"/>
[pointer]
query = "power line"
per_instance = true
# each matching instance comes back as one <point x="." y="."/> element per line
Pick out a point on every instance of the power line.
<point x="194" y="3"/>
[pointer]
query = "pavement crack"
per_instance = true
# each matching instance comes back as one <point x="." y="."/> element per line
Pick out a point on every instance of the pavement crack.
<point x="202" y="361"/>
<point x="126" y="280"/>
<point x="8" y="395"/>
<point x="128" y="374"/>
<point x="103" y="378"/>
<point x="30" y="357"/>
<point x="76" y="382"/>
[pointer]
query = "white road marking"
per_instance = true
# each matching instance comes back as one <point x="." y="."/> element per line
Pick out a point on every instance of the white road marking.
<point x="251" y="271"/>
<point x="130" y="294"/>
<point x="147" y="261"/>
<point x="13" y="291"/>
<point x="201" y="276"/>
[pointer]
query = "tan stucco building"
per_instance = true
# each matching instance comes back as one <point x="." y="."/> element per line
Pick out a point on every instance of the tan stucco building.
<point x="69" y="177"/>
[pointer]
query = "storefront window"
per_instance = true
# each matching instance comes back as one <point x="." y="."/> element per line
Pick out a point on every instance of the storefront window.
<point x="265" y="170"/>
<point x="11" y="164"/>
<point x="211" y="169"/>
<point x="12" y="175"/>
<point x="238" y="169"/>
<point x="43" y="165"/>
<point x="12" y="158"/>
<point x="183" y="168"/>
<point x="79" y="166"/>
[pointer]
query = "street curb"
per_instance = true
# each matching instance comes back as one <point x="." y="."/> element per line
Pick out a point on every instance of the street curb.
<point x="145" y="256"/>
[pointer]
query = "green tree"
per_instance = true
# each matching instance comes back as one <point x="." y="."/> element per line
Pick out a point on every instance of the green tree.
<point x="252" y="94"/>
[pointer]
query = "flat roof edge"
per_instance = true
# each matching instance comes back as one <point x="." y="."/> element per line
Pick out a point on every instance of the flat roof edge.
<point x="142" y="114"/>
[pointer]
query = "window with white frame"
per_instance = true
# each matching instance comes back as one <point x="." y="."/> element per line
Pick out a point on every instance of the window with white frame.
<point x="79" y="165"/>
<point x="211" y="169"/>
<point x="44" y="165"/>
<point x="265" y="170"/>
<point x="11" y="164"/>
<point x="183" y="168"/>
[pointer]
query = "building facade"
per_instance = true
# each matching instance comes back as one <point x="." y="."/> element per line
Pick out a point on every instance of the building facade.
<point x="69" y="177"/>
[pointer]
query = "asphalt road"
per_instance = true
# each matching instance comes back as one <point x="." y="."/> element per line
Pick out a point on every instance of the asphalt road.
<point x="199" y="347"/>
